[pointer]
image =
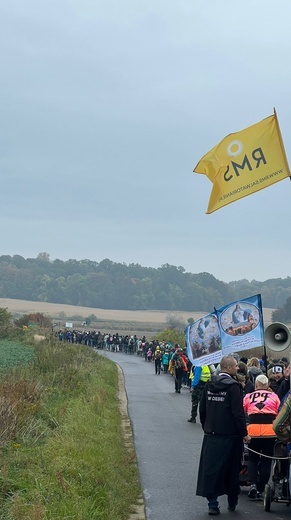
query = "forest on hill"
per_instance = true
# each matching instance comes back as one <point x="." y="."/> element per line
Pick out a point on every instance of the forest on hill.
<point x="112" y="285"/>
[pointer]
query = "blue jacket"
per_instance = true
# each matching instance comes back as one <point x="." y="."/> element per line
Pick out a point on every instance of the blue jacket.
<point x="196" y="378"/>
<point x="166" y="358"/>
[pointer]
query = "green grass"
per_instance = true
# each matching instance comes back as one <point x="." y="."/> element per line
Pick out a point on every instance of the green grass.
<point x="66" y="457"/>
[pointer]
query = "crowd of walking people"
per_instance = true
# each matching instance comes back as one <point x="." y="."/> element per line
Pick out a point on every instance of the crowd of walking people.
<point x="238" y="407"/>
<point x="238" y="402"/>
<point x="130" y="344"/>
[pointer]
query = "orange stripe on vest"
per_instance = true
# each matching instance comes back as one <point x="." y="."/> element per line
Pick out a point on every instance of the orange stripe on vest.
<point x="261" y="430"/>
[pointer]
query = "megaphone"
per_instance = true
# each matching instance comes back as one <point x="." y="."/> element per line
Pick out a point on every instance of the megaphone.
<point x="277" y="337"/>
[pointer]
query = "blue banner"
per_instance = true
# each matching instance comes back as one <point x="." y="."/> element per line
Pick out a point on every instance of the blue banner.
<point x="203" y="341"/>
<point x="241" y="325"/>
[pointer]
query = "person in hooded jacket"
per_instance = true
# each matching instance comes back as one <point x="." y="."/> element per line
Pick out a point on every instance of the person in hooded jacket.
<point x="158" y="360"/>
<point x="180" y="366"/>
<point x="244" y="378"/>
<point x="223" y="421"/>
<point x="254" y="368"/>
<point x="166" y="360"/>
<point x="279" y="379"/>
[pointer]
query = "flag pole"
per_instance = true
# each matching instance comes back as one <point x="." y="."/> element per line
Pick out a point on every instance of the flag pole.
<point x="265" y="359"/>
<point x="281" y="142"/>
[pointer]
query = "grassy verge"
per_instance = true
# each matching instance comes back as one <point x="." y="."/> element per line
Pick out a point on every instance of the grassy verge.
<point x="62" y="451"/>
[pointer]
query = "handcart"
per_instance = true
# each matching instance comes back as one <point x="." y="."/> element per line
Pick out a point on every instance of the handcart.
<point x="278" y="488"/>
<point x="244" y="474"/>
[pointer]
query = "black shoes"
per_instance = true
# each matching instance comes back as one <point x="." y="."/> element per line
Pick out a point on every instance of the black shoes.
<point x="254" y="494"/>
<point x="214" y="511"/>
<point x="232" y="503"/>
<point x="192" y="420"/>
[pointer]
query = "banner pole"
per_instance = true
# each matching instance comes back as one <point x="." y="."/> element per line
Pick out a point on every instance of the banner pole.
<point x="265" y="359"/>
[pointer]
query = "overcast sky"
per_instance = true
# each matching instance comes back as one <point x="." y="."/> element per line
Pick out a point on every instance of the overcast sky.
<point x="106" y="108"/>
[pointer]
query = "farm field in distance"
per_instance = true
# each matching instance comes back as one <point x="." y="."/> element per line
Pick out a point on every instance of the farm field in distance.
<point x="54" y="310"/>
<point x="141" y="323"/>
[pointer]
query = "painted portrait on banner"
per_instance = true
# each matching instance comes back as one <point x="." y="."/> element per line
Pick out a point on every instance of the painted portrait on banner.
<point x="241" y="325"/>
<point x="203" y="341"/>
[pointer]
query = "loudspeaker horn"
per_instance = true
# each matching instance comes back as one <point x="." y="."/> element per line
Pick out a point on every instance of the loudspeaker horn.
<point x="277" y="337"/>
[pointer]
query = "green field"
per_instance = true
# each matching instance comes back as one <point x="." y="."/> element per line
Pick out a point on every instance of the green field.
<point x="14" y="353"/>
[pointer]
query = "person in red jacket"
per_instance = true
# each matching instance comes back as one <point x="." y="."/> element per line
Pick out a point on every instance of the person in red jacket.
<point x="180" y="366"/>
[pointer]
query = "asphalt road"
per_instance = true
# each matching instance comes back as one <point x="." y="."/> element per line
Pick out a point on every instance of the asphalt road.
<point x="168" y="448"/>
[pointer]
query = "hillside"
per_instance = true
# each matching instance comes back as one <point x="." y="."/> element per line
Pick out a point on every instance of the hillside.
<point x="111" y="285"/>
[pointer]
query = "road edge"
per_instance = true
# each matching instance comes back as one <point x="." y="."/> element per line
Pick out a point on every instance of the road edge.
<point x="138" y="509"/>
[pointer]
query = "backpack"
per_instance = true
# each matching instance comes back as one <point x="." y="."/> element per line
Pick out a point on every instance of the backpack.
<point x="131" y="341"/>
<point x="179" y="362"/>
<point x="158" y="355"/>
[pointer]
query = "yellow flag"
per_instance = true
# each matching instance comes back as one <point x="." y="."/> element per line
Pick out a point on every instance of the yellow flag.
<point x="245" y="162"/>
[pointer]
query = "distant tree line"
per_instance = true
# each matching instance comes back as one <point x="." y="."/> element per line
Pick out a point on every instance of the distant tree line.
<point x="283" y="314"/>
<point x="111" y="285"/>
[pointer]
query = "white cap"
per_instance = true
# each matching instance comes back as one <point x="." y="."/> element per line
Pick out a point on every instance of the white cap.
<point x="262" y="379"/>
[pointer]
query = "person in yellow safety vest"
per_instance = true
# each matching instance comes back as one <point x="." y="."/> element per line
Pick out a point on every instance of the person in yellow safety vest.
<point x="199" y="377"/>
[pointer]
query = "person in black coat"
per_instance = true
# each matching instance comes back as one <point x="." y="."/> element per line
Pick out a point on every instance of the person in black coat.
<point x="244" y="378"/>
<point x="279" y="379"/>
<point x="223" y="421"/>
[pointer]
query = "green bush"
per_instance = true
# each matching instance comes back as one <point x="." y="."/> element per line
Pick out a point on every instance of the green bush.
<point x="171" y="335"/>
<point x="5" y="323"/>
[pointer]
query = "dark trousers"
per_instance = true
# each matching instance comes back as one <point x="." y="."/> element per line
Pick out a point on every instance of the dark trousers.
<point x="158" y="366"/>
<point x="196" y="396"/>
<point x="178" y="379"/>
<point x="259" y="467"/>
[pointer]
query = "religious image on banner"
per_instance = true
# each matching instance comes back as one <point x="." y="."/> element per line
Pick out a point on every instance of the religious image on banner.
<point x="241" y="325"/>
<point x="203" y="341"/>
